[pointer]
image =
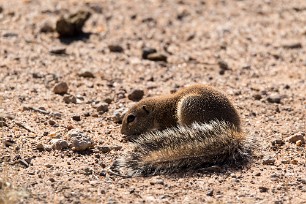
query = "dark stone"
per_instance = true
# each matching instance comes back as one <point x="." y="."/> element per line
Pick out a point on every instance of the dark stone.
<point x="263" y="189"/>
<point x="72" y="25"/>
<point x="257" y="96"/>
<point x="147" y="51"/>
<point x="274" y="99"/>
<point x="58" y="50"/>
<point x="293" y="46"/>
<point x="115" y="48"/>
<point x="210" y="193"/>
<point x="136" y="95"/>
<point x="76" y="118"/>
<point x="157" y="57"/>
<point x="223" y="65"/>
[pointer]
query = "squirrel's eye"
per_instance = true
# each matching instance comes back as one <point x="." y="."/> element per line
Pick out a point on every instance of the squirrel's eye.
<point x="130" y="118"/>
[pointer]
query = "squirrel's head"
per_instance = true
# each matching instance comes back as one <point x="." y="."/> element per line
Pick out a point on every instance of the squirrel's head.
<point x="139" y="119"/>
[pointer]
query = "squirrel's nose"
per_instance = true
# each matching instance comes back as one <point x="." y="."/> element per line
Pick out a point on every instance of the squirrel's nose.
<point x="123" y="131"/>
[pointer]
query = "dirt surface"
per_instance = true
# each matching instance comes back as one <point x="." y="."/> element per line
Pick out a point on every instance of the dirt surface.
<point x="255" y="51"/>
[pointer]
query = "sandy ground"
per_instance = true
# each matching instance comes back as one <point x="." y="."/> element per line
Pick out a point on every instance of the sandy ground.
<point x="255" y="51"/>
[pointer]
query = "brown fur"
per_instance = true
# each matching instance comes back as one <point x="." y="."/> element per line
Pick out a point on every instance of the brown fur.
<point x="196" y="127"/>
<point x="197" y="103"/>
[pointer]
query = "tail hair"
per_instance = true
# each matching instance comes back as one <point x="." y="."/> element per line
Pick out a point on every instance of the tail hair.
<point x="184" y="148"/>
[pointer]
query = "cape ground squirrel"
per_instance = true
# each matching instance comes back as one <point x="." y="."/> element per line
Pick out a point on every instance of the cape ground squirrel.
<point x="195" y="127"/>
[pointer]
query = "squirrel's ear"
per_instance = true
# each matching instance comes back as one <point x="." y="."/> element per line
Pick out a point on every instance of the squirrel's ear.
<point x="145" y="108"/>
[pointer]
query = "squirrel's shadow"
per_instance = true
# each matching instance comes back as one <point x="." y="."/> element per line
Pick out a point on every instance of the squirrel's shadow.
<point x="206" y="172"/>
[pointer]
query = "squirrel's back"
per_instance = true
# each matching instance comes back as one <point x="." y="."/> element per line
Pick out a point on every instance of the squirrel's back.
<point x="202" y="104"/>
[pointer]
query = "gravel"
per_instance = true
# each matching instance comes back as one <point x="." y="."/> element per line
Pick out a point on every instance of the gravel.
<point x="194" y="35"/>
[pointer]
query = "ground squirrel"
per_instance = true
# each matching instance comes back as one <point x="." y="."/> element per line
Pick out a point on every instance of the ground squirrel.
<point x="195" y="127"/>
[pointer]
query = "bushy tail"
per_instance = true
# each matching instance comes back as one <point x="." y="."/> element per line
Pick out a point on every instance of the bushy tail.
<point x="183" y="148"/>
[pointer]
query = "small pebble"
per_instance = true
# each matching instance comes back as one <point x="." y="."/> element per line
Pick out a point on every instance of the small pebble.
<point x="132" y="190"/>
<point x="115" y="48"/>
<point x="247" y="66"/>
<point x="116" y="148"/>
<point x="102" y="107"/>
<point x="76" y="118"/>
<point x="294" y="161"/>
<point x="263" y="189"/>
<point x="102" y="173"/>
<point x="136" y="95"/>
<point x="40" y="146"/>
<point x="58" y="144"/>
<point x="70" y="127"/>
<point x="285" y="161"/>
<point x="210" y="193"/>
<point x="58" y="50"/>
<point x="147" y="51"/>
<point x="87" y="171"/>
<point x="299" y="143"/>
<point x="297" y="45"/>
<point x="8" y="142"/>
<point x="157" y="57"/>
<point x="70" y="99"/>
<point x="48" y="165"/>
<point x="223" y="65"/>
<point x="157" y="181"/>
<point x="95" y="115"/>
<point x="108" y="100"/>
<point x="257" y="96"/>
<point x="2" y="122"/>
<point x="296" y="137"/>
<point x="24" y="163"/>
<point x="79" y="140"/>
<point x="60" y="88"/>
<point x="51" y="122"/>
<point x="9" y="34"/>
<point x="56" y="115"/>
<point x="104" y="149"/>
<point x="268" y="161"/>
<point x="36" y="75"/>
<point x="86" y="74"/>
<point x="87" y="114"/>
<point x="258" y="174"/>
<point x="46" y="27"/>
<point x="278" y="142"/>
<point x="274" y="98"/>
<point x="42" y="108"/>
